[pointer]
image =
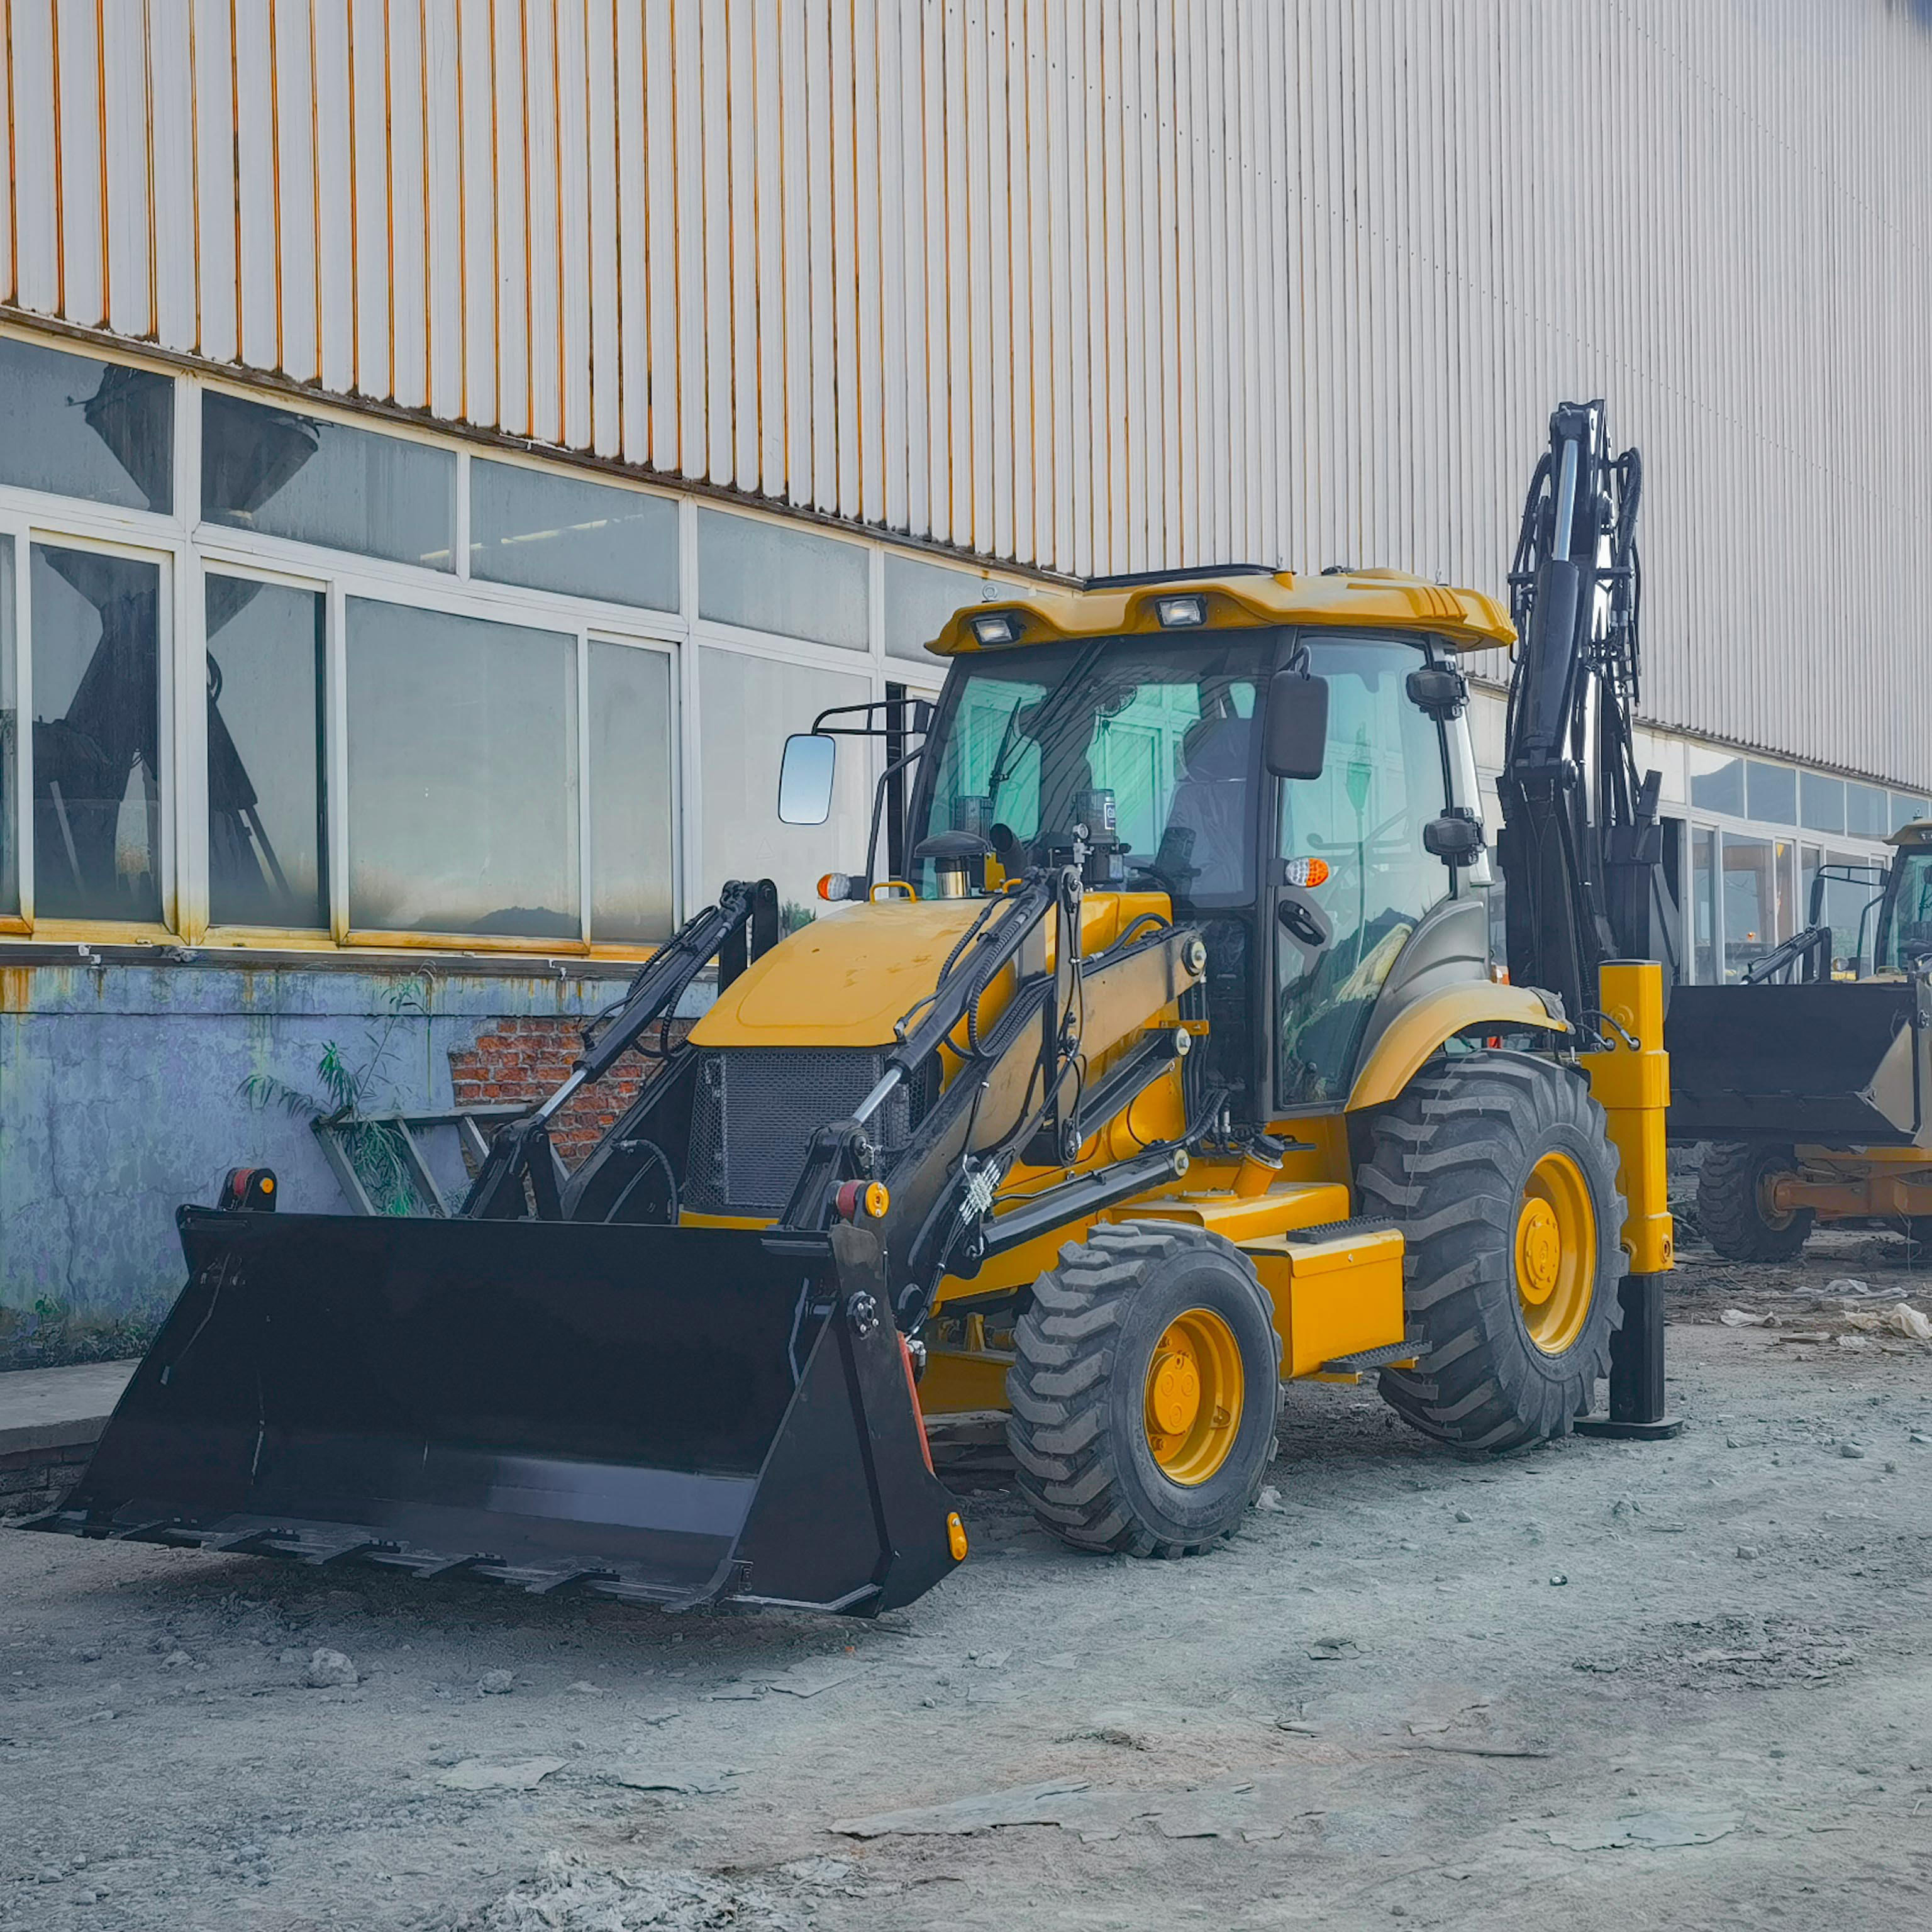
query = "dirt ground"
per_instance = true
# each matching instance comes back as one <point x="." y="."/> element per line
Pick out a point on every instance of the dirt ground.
<point x="1598" y="1685"/>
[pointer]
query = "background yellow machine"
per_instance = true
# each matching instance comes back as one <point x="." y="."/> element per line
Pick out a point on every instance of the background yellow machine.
<point x="1158" y="1057"/>
<point x="1812" y="1084"/>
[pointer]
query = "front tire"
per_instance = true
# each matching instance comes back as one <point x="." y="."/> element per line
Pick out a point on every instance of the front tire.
<point x="1498" y="1169"/>
<point x="1145" y="1395"/>
<point x="1734" y="1202"/>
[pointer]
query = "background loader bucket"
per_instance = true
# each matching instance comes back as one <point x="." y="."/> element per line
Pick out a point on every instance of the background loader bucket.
<point x="670" y="1415"/>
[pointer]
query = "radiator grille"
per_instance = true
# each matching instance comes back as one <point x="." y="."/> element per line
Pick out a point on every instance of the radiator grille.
<point x="754" y="1113"/>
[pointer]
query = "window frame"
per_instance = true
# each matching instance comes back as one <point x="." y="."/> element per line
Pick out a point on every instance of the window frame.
<point x="31" y="529"/>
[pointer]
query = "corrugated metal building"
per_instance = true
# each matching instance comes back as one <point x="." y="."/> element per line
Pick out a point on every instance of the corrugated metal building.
<point x="517" y="414"/>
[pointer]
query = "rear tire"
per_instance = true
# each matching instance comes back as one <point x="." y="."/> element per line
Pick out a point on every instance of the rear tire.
<point x="1498" y="1169"/>
<point x="1101" y="1354"/>
<point x="1733" y="1207"/>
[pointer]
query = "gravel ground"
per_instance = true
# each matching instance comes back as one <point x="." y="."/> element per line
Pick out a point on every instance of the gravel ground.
<point x="1598" y="1685"/>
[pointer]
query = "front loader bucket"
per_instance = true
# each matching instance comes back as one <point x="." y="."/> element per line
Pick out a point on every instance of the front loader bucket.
<point x="674" y="1416"/>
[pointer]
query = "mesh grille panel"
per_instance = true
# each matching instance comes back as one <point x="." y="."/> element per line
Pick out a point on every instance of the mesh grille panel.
<point x="756" y="1110"/>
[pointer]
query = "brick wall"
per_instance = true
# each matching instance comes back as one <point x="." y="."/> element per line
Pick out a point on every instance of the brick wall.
<point x="39" y="1479"/>
<point x="523" y="1059"/>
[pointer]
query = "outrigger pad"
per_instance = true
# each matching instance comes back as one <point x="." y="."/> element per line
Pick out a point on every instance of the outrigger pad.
<point x="676" y="1416"/>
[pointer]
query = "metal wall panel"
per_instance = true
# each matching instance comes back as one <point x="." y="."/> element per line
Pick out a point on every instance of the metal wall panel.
<point x="1088" y="284"/>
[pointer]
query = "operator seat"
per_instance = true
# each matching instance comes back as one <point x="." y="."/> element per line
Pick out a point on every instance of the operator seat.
<point x="1210" y="803"/>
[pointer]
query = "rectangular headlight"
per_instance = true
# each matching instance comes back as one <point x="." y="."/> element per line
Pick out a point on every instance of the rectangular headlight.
<point x="995" y="627"/>
<point x="1180" y="613"/>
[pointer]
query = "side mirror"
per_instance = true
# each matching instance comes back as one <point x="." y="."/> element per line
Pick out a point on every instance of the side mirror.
<point x="804" y="778"/>
<point x="1295" y="730"/>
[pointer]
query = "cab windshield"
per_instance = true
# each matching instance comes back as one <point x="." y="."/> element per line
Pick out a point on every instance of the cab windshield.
<point x="1158" y="732"/>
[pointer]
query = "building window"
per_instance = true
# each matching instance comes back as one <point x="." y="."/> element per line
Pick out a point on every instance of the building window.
<point x="79" y="427"/>
<point x="632" y="734"/>
<point x="1717" y="782"/>
<point x="268" y="470"/>
<point x="96" y="734"/>
<point x="793" y="582"/>
<point x="1704" y="906"/>
<point x="267" y="838"/>
<point x="1905" y="810"/>
<point x="1867" y="811"/>
<point x="920" y="598"/>
<point x="1774" y="792"/>
<point x="558" y="533"/>
<point x="1822" y="802"/>
<point x="462" y="745"/>
<point x="756" y="702"/>
<point x="10" y="739"/>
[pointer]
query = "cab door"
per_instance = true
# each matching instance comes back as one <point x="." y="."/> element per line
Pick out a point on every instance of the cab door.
<point x="1350" y="878"/>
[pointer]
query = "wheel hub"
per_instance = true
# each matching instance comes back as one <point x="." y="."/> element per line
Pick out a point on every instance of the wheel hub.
<point x="1173" y="1396"/>
<point x="1192" y="1408"/>
<point x="1539" y="1251"/>
<point x="1555" y="1252"/>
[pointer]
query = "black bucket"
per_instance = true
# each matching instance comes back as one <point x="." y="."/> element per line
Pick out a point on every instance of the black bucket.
<point x="674" y="1416"/>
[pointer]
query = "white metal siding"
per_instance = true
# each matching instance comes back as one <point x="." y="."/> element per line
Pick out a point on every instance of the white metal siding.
<point x="1091" y="284"/>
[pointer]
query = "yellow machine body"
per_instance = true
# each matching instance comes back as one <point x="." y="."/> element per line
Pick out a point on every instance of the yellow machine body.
<point x="845" y="980"/>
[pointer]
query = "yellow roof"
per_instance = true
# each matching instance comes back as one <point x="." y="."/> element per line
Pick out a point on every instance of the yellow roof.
<point x="1917" y="832"/>
<point x="1379" y="599"/>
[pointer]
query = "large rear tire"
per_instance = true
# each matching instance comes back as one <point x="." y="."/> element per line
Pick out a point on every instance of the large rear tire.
<point x="1145" y="1395"/>
<point x="1734" y="1202"/>
<point x="1498" y="1169"/>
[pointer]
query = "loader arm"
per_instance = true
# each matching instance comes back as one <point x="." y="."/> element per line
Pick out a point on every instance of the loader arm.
<point x="1015" y="1085"/>
<point x="743" y="925"/>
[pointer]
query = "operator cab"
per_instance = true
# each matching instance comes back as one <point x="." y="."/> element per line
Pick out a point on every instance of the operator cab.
<point x="1304" y="795"/>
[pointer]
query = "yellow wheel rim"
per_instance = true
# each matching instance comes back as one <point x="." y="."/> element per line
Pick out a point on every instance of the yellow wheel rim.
<point x="1193" y="1405"/>
<point x="1555" y="1252"/>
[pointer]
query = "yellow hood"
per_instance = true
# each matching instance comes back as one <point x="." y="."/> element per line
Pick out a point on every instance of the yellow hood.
<point x="840" y="981"/>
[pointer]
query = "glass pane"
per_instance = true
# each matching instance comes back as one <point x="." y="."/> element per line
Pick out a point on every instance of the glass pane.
<point x="1906" y="809"/>
<point x="1750" y="902"/>
<point x="920" y="598"/>
<point x="1788" y="922"/>
<point x="1851" y="909"/>
<point x="288" y="475"/>
<point x="750" y="705"/>
<point x="267" y="827"/>
<point x="1165" y="726"/>
<point x="10" y="738"/>
<point x="1381" y="783"/>
<point x="1809" y="859"/>
<point x="1704" y="906"/>
<point x="1823" y="802"/>
<point x="97" y="736"/>
<point x="1717" y="782"/>
<point x="83" y="428"/>
<point x="1867" y="811"/>
<point x="631" y="722"/>
<point x="560" y="533"/>
<point x="790" y="581"/>
<point x="1774" y="793"/>
<point x="462" y="774"/>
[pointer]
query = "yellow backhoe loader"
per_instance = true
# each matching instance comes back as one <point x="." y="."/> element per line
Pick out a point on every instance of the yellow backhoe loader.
<point x="1158" y="1056"/>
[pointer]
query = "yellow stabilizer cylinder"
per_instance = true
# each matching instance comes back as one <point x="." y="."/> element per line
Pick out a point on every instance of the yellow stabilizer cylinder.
<point x="1632" y="1086"/>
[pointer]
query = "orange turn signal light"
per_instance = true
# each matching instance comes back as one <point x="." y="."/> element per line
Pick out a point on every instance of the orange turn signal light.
<point x="835" y="886"/>
<point x="955" y="1536"/>
<point x="1304" y="872"/>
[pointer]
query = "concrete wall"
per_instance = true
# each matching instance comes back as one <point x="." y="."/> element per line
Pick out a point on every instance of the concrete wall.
<point x="121" y="1096"/>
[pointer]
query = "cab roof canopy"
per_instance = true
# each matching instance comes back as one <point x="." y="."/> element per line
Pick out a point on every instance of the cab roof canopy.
<point x="1232" y="597"/>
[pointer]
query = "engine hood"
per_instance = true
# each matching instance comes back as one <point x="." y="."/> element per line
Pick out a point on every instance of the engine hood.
<point x="841" y="981"/>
